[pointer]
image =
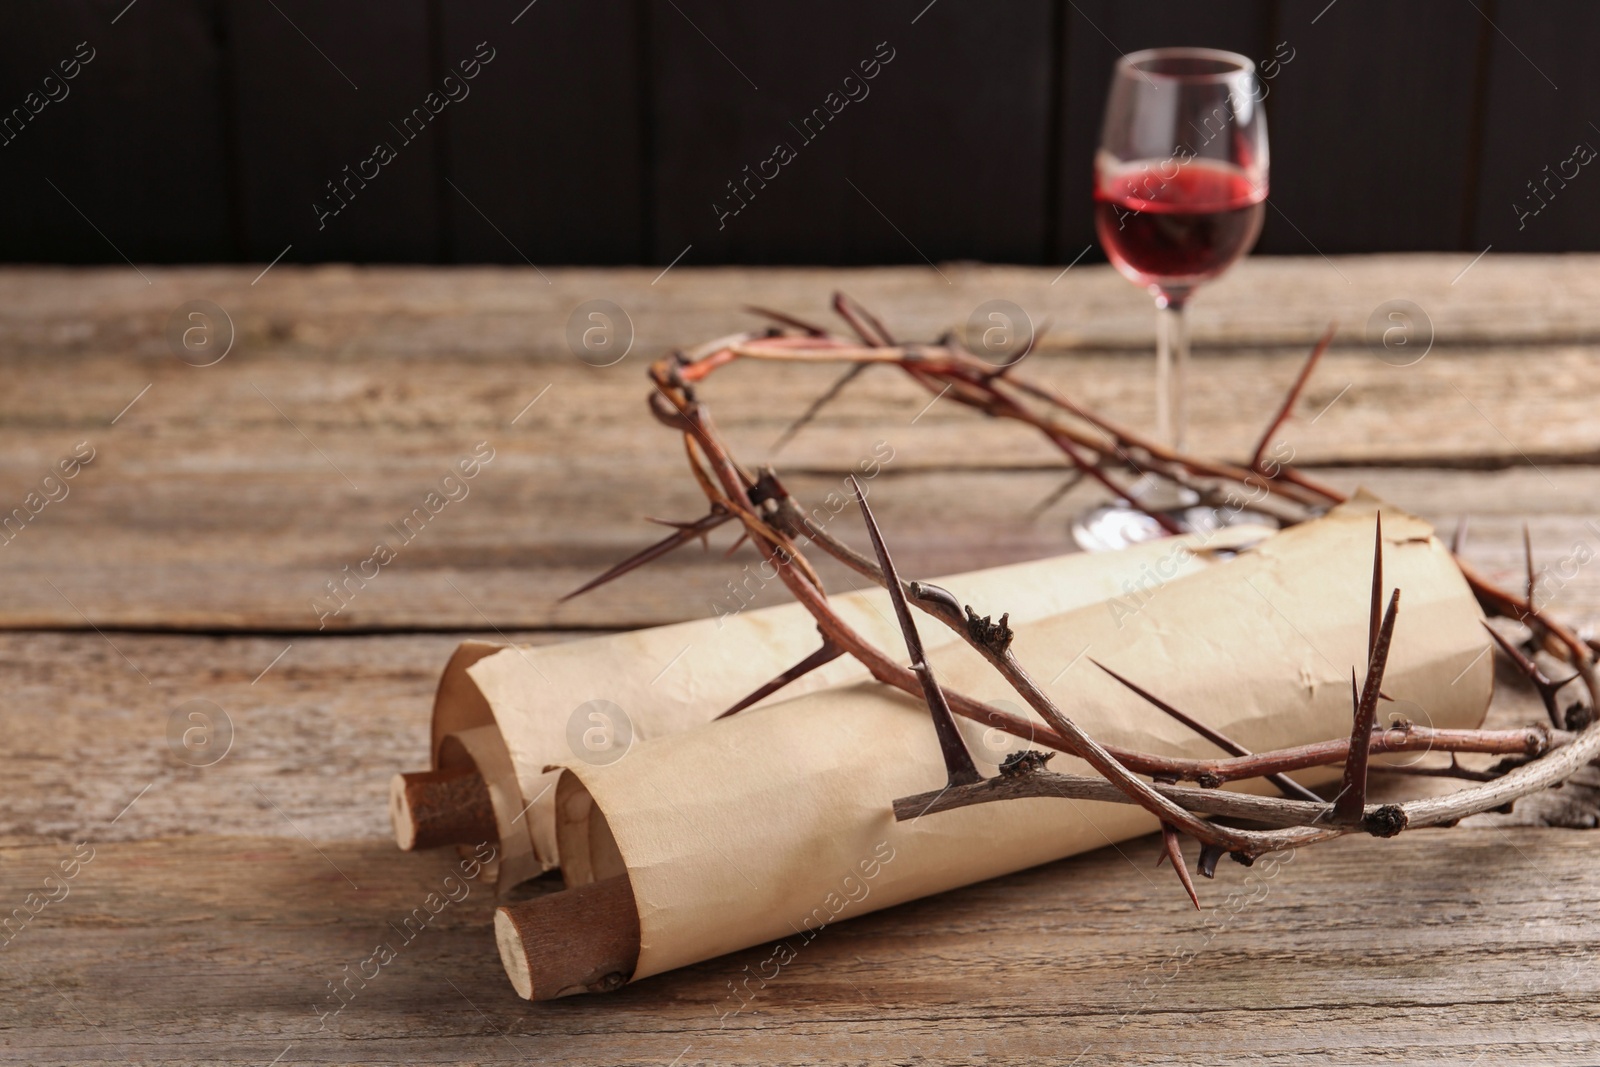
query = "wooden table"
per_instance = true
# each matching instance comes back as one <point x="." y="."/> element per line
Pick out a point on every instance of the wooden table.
<point x="182" y="565"/>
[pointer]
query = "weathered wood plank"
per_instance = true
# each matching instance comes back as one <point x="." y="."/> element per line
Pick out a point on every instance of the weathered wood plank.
<point x="220" y="950"/>
<point x="246" y="559"/>
<point x="305" y="732"/>
<point x="229" y="496"/>
<point x="404" y="312"/>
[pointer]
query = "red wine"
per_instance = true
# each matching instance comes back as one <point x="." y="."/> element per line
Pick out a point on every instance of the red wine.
<point x="1178" y="230"/>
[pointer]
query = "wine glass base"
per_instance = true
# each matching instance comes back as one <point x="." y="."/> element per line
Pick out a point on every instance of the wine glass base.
<point x="1113" y="526"/>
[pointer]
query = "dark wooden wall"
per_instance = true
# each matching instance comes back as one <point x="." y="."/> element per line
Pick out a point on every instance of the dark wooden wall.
<point x="605" y="131"/>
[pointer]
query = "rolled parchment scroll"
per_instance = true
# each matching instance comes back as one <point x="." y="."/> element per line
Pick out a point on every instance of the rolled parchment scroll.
<point x="770" y="825"/>
<point x="511" y="713"/>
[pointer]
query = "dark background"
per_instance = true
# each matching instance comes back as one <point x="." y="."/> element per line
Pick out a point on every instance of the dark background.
<point x="603" y="130"/>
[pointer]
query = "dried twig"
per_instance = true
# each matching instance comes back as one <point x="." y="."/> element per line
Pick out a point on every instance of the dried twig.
<point x="1269" y="811"/>
<point x="1455" y="770"/>
<point x="1547" y="689"/>
<point x="1093" y="444"/>
<point x="815" y="407"/>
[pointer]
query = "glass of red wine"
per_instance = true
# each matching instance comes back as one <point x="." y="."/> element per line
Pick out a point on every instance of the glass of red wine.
<point x="1180" y="190"/>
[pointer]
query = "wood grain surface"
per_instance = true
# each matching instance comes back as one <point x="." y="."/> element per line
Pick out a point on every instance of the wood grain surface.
<point x="228" y="496"/>
<point x="175" y="578"/>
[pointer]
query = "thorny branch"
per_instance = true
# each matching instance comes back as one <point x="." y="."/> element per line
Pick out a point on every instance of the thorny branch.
<point x="1537" y="757"/>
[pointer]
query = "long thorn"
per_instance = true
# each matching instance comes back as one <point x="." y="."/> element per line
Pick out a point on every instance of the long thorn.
<point x="815" y="407"/>
<point x="705" y="534"/>
<point x="1169" y="838"/>
<point x="1161" y="519"/>
<point x="1056" y="494"/>
<point x="1542" y="682"/>
<point x="1352" y="800"/>
<point x="1288" y="786"/>
<point x="826" y="654"/>
<point x="1016" y="361"/>
<point x="787" y="320"/>
<point x="682" y="536"/>
<point x="957" y="760"/>
<point x="1527" y="555"/>
<point x="1293" y="396"/>
<point x="1376" y="604"/>
<point x="862" y="321"/>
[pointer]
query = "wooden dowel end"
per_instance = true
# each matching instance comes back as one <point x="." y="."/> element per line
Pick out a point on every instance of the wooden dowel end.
<point x="447" y="807"/>
<point x="580" y="940"/>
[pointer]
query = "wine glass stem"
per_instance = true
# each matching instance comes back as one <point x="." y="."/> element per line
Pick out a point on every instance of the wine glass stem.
<point x="1172" y="371"/>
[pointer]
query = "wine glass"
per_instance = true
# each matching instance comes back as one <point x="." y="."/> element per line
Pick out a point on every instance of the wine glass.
<point x="1179" y="194"/>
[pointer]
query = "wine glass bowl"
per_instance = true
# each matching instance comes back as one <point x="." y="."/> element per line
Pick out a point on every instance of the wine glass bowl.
<point x="1181" y="173"/>
<point x="1180" y="192"/>
<point x="1185" y="230"/>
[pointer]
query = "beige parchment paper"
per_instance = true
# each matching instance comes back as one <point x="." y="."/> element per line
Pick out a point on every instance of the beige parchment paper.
<point x="658" y="681"/>
<point x="776" y="822"/>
